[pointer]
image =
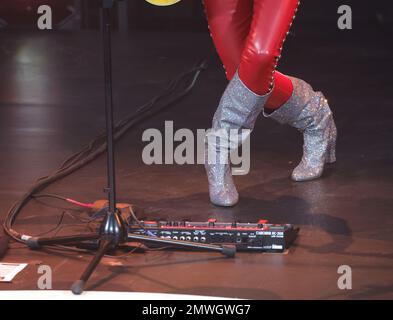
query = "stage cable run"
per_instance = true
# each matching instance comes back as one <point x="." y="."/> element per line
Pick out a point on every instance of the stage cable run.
<point x="174" y="91"/>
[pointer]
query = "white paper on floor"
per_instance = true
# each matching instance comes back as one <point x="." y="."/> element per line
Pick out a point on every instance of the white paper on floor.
<point x="8" y="270"/>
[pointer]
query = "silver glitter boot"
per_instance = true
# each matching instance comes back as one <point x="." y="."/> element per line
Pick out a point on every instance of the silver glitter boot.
<point x="238" y="109"/>
<point x="309" y="112"/>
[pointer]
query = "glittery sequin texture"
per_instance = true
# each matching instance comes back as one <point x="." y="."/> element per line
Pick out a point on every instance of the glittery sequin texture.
<point x="238" y="109"/>
<point x="309" y="112"/>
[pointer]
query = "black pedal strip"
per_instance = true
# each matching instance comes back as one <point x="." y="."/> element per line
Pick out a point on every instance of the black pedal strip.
<point x="260" y="236"/>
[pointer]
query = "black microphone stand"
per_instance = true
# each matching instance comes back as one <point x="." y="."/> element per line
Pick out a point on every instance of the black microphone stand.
<point x="113" y="230"/>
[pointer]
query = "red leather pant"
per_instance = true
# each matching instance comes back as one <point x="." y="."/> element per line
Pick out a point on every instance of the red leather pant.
<point x="249" y="35"/>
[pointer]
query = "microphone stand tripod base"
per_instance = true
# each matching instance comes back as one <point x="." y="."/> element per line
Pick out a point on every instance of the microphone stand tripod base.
<point x="112" y="233"/>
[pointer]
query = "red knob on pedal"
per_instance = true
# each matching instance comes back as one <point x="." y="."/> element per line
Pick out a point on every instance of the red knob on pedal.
<point x="211" y="222"/>
<point x="261" y="223"/>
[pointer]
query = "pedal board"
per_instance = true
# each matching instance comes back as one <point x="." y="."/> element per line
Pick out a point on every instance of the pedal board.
<point x="260" y="236"/>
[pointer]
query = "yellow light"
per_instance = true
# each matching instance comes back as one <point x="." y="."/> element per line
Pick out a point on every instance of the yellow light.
<point x="162" y="2"/>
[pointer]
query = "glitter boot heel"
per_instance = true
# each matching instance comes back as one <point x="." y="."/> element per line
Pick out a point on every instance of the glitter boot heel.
<point x="222" y="189"/>
<point x="331" y="154"/>
<point x="238" y="109"/>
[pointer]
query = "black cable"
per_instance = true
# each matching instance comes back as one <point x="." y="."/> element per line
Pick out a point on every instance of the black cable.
<point x="97" y="146"/>
<point x="54" y="228"/>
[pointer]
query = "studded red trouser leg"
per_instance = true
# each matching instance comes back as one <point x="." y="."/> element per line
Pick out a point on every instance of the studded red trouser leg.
<point x="249" y="35"/>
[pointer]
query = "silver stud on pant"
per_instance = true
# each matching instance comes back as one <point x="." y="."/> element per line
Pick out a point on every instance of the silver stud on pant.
<point x="309" y="112"/>
<point x="238" y="109"/>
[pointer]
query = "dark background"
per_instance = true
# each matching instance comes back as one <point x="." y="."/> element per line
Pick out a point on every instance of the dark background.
<point x="52" y="102"/>
<point x="184" y="16"/>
